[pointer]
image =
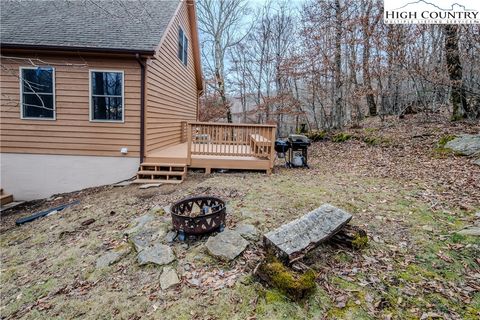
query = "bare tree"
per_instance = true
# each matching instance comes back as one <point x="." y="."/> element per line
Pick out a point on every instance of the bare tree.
<point x="221" y="23"/>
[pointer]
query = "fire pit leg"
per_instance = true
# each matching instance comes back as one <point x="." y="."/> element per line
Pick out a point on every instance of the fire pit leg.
<point x="181" y="235"/>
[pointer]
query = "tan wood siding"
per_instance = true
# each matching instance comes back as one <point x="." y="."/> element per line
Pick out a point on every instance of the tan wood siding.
<point x="71" y="133"/>
<point x="171" y="88"/>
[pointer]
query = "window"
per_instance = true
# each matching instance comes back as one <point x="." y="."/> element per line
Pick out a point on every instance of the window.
<point x="182" y="46"/>
<point x="37" y="87"/>
<point x="106" y="95"/>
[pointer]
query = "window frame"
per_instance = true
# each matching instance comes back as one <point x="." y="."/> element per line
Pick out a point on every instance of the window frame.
<point x="22" y="117"/>
<point x="184" y="55"/>
<point x="90" y="95"/>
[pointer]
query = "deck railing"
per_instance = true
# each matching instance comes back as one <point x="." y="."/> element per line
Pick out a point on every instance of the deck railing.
<point x="228" y="139"/>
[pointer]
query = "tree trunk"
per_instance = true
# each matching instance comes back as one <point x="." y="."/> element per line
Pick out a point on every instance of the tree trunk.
<point x="338" y="66"/>
<point x="454" y="68"/>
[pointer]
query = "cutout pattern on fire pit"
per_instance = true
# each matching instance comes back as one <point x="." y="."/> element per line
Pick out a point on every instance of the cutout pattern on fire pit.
<point x="198" y="215"/>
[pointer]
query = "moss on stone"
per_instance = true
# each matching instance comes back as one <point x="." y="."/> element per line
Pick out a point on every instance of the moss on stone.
<point x="360" y="241"/>
<point x="286" y="281"/>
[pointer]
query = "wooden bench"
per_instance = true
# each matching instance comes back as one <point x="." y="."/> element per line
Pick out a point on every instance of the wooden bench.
<point x="260" y="145"/>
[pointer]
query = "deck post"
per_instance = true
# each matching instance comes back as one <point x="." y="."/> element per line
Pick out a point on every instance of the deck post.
<point x="189" y="144"/>
<point x="273" y="131"/>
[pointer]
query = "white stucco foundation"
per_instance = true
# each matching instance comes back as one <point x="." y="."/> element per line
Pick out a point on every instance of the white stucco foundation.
<point x="29" y="176"/>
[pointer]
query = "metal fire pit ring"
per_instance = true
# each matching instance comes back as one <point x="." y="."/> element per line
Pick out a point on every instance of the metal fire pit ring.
<point x="212" y="215"/>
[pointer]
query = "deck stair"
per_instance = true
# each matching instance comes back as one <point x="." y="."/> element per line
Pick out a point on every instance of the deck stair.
<point x="5" y="198"/>
<point x="161" y="173"/>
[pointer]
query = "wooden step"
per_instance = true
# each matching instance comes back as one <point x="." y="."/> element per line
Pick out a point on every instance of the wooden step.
<point x="161" y="172"/>
<point x="5" y="198"/>
<point x="147" y="181"/>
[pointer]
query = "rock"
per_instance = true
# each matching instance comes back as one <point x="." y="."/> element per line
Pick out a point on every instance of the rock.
<point x="170" y="237"/>
<point x="226" y="245"/>
<point x="150" y="185"/>
<point x="139" y="223"/>
<point x="113" y="256"/>
<point x="427" y="228"/>
<point x="248" y="231"/>
<point x="168" y="278"/>
<point x="477" y="162"/>
<point x="148" y="236"/>
<point x="470" y="231"/>
<point x="194" y="282"/>
<point x="157" y="253"/>
<point x="477" y="215"/>
<point x="466" y="144"/>
<point x="300" y="235"/>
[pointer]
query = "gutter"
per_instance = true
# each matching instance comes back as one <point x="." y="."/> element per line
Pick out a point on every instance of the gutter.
<point x="74" y="49"/>
<point x="142" y="105"/>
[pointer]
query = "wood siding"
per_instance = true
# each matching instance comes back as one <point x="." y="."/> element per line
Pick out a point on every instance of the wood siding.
<point x="72" y="133"/>
<point x="171" y="88"/>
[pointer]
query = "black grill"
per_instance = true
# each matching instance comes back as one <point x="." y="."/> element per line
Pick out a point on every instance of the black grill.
<point x="295" y="148"/>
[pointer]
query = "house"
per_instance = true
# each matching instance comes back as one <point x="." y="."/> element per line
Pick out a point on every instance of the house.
<point x="94" y="92"/>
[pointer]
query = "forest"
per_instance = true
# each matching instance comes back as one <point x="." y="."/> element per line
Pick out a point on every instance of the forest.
<point x="325" y="64"/>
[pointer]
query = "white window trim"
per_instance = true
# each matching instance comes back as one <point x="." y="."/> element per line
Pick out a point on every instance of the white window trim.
<point x="20" y="77"/>
<point x="90" y="71"/>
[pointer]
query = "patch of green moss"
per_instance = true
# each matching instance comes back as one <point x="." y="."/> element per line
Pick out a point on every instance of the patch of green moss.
<point x="360" y="241"/>
<point x="371" y="141"/>
<point x="317" y="135"/>
<point x="444" y="139"/>
<point x="341" y="137"/>
<point x="273" y="296"/>
<point x="286" y="281"/>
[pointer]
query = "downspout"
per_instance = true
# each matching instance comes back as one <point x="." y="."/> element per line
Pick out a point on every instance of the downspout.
<point x="142" y="106"/>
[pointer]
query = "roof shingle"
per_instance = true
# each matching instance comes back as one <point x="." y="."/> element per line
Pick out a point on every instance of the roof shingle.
<point x="97" y="24"/>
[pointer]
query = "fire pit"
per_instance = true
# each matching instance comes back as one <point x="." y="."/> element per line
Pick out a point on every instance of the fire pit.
<point x="198" y="215"/>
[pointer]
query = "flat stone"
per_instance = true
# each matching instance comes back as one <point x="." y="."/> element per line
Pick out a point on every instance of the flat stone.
<point x="477" y="162"/>
<point x="148" y="236"/>
<point x="170" y="237"/>
<point x="157" y="253"/>
<point x="466" y="144"/>
<point x="168" y="278"/>
<point x="139" y="223"/>
<point x="226" y="245"/>
<point x="302" y="234"/>
<point x="150" y="185"/>
<point x="113" y="256"/>
<point x="470" y="231"/>
<point x="248" y="231"/>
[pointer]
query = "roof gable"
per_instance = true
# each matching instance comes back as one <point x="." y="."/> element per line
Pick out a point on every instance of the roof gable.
<point x="97" y="24"/>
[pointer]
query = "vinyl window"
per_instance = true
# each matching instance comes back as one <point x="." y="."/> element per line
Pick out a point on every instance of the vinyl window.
<point x="106" y="95"/>
<point x="182" y="46"/>
<point x="37" y="93"/>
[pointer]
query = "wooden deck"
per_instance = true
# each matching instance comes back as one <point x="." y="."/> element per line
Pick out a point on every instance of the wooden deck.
<point x="220" y="146"/>
<point x="178" y="154"/>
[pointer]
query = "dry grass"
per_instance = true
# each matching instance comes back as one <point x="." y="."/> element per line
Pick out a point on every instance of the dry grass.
<point x="409" y="199"/>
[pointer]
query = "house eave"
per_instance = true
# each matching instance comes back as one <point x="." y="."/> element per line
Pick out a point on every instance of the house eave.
<point x="75" y="49"/>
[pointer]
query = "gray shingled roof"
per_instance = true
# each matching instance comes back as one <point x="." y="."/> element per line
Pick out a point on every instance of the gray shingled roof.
<point x="113" y="24"/>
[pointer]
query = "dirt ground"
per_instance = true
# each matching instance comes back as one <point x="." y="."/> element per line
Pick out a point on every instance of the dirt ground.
<point x="409" y="194"/>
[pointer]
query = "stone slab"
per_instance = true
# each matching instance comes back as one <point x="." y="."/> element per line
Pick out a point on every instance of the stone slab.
<point x="466" y="144"/>
<point x="157" y="253"/>
<point x="226" y="245"/>
<point x="301" y="235"/>
<point x="168" y="278"/>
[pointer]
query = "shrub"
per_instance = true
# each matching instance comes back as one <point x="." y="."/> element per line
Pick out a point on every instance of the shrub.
<point x="342" y="137"/>
<point x="317" y="135"/>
